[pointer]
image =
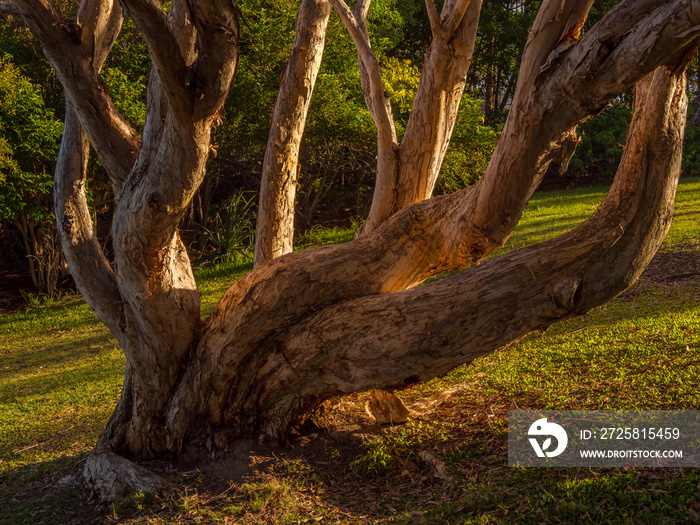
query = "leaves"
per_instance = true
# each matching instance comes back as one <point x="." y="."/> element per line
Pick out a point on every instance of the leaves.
<point x="29" y="135"/>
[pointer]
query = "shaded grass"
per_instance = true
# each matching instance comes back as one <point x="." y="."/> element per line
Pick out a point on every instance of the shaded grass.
<point x="61" y="373"/>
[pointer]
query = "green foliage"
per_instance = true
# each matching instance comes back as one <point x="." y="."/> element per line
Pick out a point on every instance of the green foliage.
<point x="26" y="54"/>
<point x="396" y="444"/>
<point x="129" y="96"/>
<point x="602" y="140"/>
<point x="400" y="77"/>
<point x="232" y="231"/>
<point x="7" y="163"/>
<point x="470" y="150"/>
<point x="691" y="150"/>
<point x="29" y="135"/>
<point x="691" y="144"/>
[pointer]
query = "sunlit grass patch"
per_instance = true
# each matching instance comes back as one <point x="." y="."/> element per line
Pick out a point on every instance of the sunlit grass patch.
<point x="60" y="378"/>
<point x="61" y="375"/>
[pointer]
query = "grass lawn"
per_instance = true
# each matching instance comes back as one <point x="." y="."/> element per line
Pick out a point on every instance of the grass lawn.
<point x="61" y="372"/>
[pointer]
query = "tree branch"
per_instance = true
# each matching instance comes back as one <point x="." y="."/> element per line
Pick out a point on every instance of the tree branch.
<point x="561" y="89"/>
<point x="360" y="11"/>
<point x="372" y="85"/>
<point x="434" y="17"/>
<point x="275" y="220"/>
<point x="89" y="267"/>
<point x="115" y="142"/>
<point x="557" y="23"/>
<point x="217" y="23"/>
<point x="100" y="22"/>
<point x="165" y="52"/>
<point x="378" y="105"/>
<point x="432" y="117"/>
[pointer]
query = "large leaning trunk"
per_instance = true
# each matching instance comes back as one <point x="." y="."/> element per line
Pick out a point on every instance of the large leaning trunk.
<point x="262" y="380"/>
<point x="330" y="320"/>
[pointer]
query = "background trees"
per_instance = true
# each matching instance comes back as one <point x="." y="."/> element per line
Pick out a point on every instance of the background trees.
<point x="29" y="134"/>
<point x="337" y="153"/>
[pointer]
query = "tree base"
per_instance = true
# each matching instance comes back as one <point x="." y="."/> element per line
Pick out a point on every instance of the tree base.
<point x="111" y="476"/>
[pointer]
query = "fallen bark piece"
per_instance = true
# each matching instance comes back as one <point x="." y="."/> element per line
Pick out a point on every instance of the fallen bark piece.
<point x="434" y="467"/>
<point x="386" y="407"/>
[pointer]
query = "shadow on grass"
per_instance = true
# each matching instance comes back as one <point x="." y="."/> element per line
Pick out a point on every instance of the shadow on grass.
<point x="48" y="493"/>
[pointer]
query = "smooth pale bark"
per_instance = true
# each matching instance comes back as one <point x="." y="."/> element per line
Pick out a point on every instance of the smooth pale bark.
<point x="274" y="226"/>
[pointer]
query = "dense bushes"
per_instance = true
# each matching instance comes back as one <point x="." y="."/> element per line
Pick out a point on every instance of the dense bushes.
<point x="29" y="135"/>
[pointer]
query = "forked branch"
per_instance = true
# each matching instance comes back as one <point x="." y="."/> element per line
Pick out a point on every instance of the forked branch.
<point x="434" y="111"/>
<point x="165" y="52"/>
<point x="77" y="62"/>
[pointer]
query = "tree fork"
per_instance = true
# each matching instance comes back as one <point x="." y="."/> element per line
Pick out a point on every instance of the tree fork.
<point x="315" y="323"/>
<point x="384" y="340"/>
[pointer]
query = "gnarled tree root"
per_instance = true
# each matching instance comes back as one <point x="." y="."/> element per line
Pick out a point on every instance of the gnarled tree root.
<point x="111" y="476"/>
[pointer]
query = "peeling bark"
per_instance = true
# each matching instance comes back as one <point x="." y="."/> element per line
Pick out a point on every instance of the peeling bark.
<point x="274" y="228"/>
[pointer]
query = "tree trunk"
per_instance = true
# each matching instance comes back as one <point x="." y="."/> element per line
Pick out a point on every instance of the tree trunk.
<point x="274" y="228"/>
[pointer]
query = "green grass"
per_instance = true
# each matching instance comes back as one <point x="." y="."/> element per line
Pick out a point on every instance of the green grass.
<point x="61" y="372"/>
<point x="550" y="214"/>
